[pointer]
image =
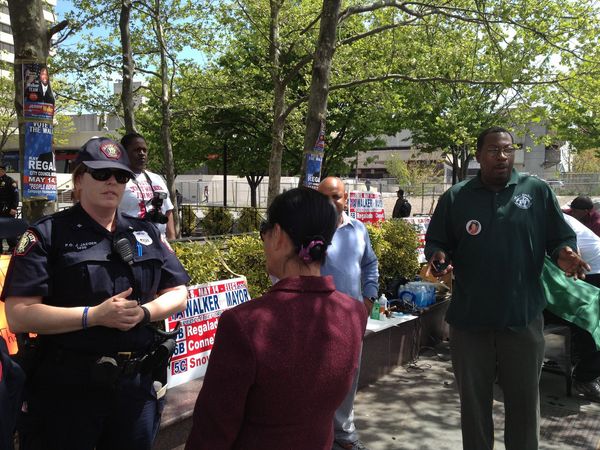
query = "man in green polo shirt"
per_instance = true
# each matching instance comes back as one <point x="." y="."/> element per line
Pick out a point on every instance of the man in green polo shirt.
<point x="495" y="230"/>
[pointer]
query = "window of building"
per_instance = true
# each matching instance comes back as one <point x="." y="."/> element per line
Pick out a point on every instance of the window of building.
<point x="7" y="47"/>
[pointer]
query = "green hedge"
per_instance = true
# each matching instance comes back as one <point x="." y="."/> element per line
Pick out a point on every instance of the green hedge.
<point x="207" y="261"/>
<point x="394" y="242"/>
<point x="217" y="221"/>
<point x="249" y="220"/>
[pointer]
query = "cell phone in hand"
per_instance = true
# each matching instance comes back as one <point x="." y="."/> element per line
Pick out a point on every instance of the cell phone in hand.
<point x="439" y="266"/>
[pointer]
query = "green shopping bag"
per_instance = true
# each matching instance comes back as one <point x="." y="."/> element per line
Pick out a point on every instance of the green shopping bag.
<point x="577" y="302"/>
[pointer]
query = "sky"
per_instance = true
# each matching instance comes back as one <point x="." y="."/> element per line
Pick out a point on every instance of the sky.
<point x="64" y="7"/>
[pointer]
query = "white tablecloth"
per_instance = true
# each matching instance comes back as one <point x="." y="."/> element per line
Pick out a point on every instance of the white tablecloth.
<point x="380" y="325"/>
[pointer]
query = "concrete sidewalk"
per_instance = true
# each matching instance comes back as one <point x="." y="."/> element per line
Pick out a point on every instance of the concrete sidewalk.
<point x="417" y="407"/>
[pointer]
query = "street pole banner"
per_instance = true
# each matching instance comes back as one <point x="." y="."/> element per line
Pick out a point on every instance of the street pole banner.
<point x="420" y="224"/>
<point x="314" y="161"/>
<point x="38" y="99"/>
<point x="39" y="171"/>
<point x="199" y="321"/>
<point x="366" y="206"/>
<point x="313" y="170"/>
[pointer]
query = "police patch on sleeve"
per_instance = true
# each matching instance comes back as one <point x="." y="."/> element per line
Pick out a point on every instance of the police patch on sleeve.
<point x="142" y="237"/>
<point x="26" y="243"/>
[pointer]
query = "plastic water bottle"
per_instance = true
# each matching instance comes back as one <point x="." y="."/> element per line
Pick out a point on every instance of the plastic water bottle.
<point x="383" y="306"/>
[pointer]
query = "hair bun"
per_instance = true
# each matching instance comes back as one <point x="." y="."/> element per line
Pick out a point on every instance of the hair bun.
<point x="317" y="251"/>
<point x="314" y="250"/>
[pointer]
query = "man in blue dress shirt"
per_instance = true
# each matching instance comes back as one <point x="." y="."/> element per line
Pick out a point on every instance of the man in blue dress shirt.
<point x="353" y="265"/>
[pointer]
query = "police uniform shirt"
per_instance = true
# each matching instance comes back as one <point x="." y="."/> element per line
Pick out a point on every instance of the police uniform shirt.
<point x="9" y="194"/>
<point x="497" y="242"/>
<point x="69" y="260"/>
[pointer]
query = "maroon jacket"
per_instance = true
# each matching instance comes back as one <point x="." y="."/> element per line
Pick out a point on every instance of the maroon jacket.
<point x="279" y="368"/>
<point x="592" y="220"/>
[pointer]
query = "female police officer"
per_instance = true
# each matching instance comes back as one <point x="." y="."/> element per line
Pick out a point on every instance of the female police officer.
<point x="88" y="280"/>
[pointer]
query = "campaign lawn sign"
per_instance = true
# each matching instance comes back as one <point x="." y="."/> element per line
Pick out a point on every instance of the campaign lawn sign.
<point x="420" y="224"/>
<point x="366" y="206"/>
<point x="199" y="321"/>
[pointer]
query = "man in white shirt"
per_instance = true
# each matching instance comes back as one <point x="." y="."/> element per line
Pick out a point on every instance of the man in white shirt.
<point x="586" y="375"/>
<point x="146" y="195"/>
<point x="588" y="244"/>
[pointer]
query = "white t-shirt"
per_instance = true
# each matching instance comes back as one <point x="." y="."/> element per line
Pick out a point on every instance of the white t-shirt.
<point x="138" y="196"/>
<point x="587" y="242"/>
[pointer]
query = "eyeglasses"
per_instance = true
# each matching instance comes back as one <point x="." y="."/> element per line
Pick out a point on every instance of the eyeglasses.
<point x="508" y="150"/>
<point x="264" y="227"/>
<point x="121" y="176"/>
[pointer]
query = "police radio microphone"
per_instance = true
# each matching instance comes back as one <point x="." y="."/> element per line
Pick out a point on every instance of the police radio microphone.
<point x="123" y="248"/>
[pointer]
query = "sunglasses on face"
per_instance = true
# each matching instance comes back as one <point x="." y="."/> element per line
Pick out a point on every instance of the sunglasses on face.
<point x="121" y="176"/>
<point x="264" y="227"/>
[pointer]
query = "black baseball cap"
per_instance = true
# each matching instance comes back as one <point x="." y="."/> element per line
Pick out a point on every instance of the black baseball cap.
<point x="582" y="202"/>
<point x="103" y="153"/>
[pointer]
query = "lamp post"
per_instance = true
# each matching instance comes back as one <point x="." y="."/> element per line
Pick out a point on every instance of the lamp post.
<point x="225" y="173"/>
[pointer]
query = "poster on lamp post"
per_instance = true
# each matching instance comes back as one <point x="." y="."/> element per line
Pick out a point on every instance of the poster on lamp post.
<point x="198" y="326"/>
<point x="38" y="98"/>
<point x="39" y="171"/>
<point x="366" y="206"/>
<point x="314" y="161"/>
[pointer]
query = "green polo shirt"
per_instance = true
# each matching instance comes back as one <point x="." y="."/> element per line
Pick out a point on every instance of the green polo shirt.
<point x="496" y="242"/>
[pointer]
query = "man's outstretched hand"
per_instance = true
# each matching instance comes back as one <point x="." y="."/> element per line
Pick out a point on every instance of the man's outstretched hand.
<point x="572" y="264"/>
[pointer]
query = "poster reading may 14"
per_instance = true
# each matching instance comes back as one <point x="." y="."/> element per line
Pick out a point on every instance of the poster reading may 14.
<point x="205" y="304"/>
<point x="39" y="174"/>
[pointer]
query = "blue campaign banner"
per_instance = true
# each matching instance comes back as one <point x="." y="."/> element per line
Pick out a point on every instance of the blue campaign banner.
<point x="39" y="171"/>
<point x="313" y="170"/>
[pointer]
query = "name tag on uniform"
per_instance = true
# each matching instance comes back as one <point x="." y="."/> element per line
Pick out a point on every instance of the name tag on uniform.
<point x="142" y="237"/>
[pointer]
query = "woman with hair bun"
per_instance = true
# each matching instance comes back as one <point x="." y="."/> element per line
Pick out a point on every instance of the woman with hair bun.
<point x="282" y="363"/>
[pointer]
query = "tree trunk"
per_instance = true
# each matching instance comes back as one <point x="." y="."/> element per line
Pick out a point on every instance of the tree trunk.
<point x="32" y="44"/>
<point x="253" y="182"/>
<point x="165" y="127"/>
<point x="319" y="87"/>
<point x="277" y="129"/>
<point x="277" y="133"/>
<point x="128" y="68"/>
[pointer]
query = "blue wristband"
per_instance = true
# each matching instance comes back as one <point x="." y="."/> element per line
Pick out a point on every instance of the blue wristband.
<point x="84" y="317"/>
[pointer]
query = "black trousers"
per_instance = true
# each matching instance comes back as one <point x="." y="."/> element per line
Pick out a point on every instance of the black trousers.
<point x="66" y="411"/>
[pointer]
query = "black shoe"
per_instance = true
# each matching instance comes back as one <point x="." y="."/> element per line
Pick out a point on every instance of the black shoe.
<point x="589" y="389"/>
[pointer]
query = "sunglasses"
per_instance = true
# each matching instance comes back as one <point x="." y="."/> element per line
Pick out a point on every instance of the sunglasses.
<point x="264" y="227"/>
<point x="121" y="176"/>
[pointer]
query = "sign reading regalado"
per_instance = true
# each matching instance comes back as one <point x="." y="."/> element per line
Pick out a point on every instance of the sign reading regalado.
<point x="205" y="304"/>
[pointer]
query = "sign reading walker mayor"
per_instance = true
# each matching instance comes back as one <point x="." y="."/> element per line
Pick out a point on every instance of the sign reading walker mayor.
<point x="205" y="304"/>
<point x="366" y="206"/>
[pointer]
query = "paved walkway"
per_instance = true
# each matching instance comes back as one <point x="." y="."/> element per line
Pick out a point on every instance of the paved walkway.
<point x="417" y="407"/>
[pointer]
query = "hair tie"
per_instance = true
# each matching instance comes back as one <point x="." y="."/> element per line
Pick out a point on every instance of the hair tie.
<point x="305" y="251"/>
